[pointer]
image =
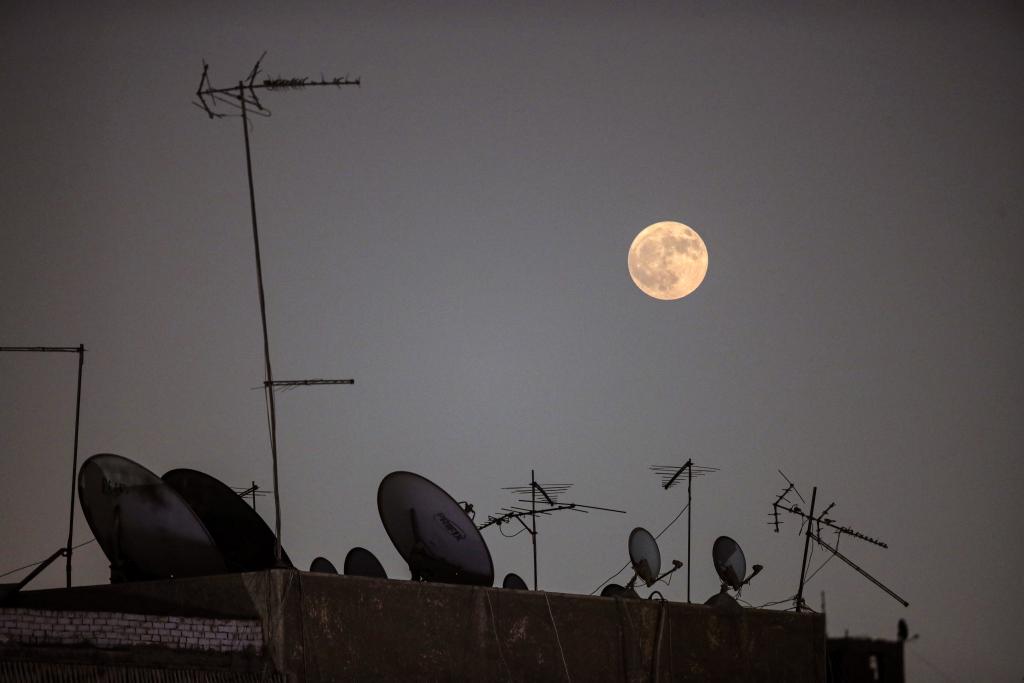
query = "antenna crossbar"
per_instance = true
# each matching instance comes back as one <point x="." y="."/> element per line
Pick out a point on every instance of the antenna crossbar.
<point x="244" y="93"/>
<point x="288" y="384"/>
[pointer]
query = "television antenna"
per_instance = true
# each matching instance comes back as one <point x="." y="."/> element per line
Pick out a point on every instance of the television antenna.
<point x="811" y="526"/>
<point x="671" y="476"/>
<point x="547" y="496"/>
<point x="241" y="100"/>
<point x="80" y="350"/>
<point x="252" y="491"/>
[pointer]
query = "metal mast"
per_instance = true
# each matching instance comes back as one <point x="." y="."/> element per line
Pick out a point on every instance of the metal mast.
<point x="80" y="350"/>
<point x="243" y="98"/>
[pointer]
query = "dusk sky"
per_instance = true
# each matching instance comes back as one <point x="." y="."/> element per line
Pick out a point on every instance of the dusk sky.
<point x="453" y="235"/>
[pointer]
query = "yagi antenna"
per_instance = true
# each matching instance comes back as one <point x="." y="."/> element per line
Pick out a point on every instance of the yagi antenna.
<point x="240" y="100"/>
<point x="548" y="497"/>
<point x="252" y="491"/>
<point x="811" y="526"/>
<point x="670" y="476"/>
<point x="80" y="350"/>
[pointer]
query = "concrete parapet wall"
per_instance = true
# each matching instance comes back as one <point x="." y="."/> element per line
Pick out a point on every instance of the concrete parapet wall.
<point x="320" y="627"/>
<point x="361" y="629"/>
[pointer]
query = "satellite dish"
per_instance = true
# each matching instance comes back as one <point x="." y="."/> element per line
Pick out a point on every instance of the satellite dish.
<point x="322" y="565"/>
<point x="432" y="532"/>
<point x="614" y="590"/>
<point x="145" y="528"/>
<point x="730" y="562"/>
<point x="244" y="539"/>
<point x="515" y="582"/>
<point x="725" y="602"/>
<point x="645" y="555"/>
<point x="361" y="562"/>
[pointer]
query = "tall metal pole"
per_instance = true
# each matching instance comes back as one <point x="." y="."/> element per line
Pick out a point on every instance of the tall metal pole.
<point x="268" y="385"/>
<point x="80" y="350"/>
<point x="689" y="525"/>
<point x="807" y="543"/>
<point x="533" y="534"/>
<point x="74" y="462"/>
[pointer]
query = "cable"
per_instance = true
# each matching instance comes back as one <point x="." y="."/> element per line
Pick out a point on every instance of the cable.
<point x="610" y="578"/>
<point x="776" y="602"/>
<point x="673" y="521"/>
<point x="494" y="629"/>
<point x="808" y="580"/>
<point x="933" y="666"/>
<point x="557" y="639"/>
<point x="830" y="558"/>
<point x="38" y="562"/>
<point x="510" y="535"/>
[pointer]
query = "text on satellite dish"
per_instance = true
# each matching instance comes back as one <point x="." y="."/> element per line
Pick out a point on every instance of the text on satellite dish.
<point x="452" y="528"/>
<point x="113" y="487"/>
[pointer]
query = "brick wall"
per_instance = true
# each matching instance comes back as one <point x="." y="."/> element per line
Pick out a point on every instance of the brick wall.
<point x="19" y="626"/>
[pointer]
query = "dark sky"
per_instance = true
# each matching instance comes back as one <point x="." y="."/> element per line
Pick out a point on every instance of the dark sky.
<point x="453" y="235"/>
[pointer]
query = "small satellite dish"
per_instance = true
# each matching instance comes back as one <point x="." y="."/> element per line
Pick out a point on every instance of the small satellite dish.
<point x="725" y="602"/>
<point x="614" y="590"/>
<point x="244" y="539"/>
<point x="645" y="555"/>
<point x="144" y="527"/>
<point x="322" y="565"/>
<point x="514" y="581"/>
<point x="361" y="562"/>
<point x="432" y="532"/>
<point x="730" y="562"/>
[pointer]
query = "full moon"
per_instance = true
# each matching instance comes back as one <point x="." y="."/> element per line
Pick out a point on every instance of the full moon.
<point x="667" y="260"/>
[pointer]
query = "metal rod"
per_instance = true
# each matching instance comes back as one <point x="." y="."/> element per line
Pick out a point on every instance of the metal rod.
<point x="269" y="380"/>
<point x="543" y="493"/>
<point x="688" y="463"/>
<point x="307" y="382"/>
<point x="689" y="525"/>
<point x="807" y="543"/>
<point x="595" y="507"/>
<point x="74" y="463"/>
<point x="80" y="350"/>
<point x="533" y="536"/>
<point x="848" y="561"/>
<point x="39" y="568"/>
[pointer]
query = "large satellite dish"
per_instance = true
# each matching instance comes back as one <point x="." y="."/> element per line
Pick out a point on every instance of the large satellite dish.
<point x="730" y="563"/>
<point x="145" y="528"/>
<point x="321" y="565"/>
<point x="515" y="582"/>
<point x="244" y="539"/>
<point x="644" y="555"/>
<point x="361" y="562"/>
<point x="432" y="532"/>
